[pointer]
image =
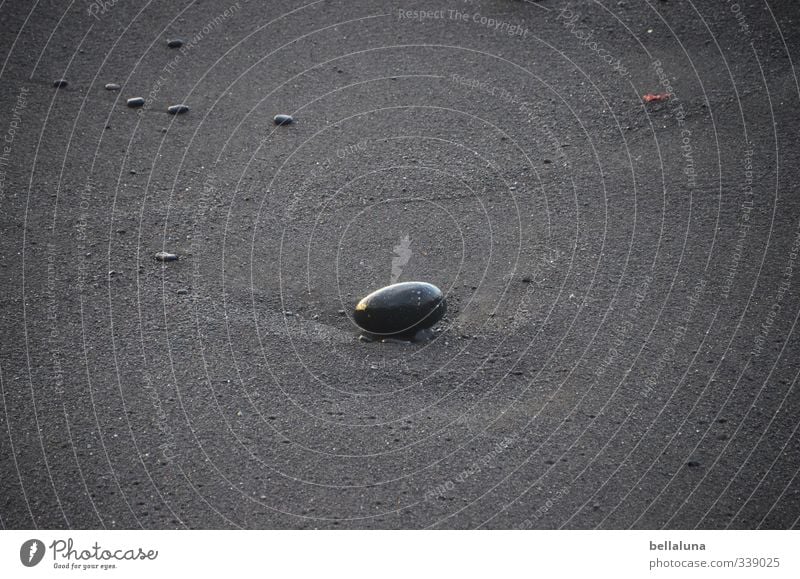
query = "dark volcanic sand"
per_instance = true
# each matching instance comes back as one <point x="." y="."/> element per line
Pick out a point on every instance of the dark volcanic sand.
<point x="644" y="374"/>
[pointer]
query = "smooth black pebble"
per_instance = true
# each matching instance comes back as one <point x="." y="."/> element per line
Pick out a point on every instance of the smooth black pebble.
<point x="283" y="119"/>
<point x="60" y="83"/>
<point x="178" y="109"/>
<point x="175" y="43"/>
<point x="112" y="86"/>
<point x="136" y="102"/>
<point x="401" y="308"/>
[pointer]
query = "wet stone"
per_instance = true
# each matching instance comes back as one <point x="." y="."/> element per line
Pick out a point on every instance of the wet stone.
<point x="283" y="119"/>
<point x="112" y="86"/>
<point x="165" y="256"/>
<point x="175" y="42"/>
<point x="178" y="109"/>
<point x="60" y="83"/>
<point x="401" y="309"/>
<point x="135" y="102"/>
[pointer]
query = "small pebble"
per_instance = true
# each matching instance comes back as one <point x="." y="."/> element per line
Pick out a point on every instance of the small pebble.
<point x="135" y="102"/>
<point x="178" y="109"/>
<point x="60" y="83"/>
<point x="424" y="335"/>
<point x="527" y="279"/>
<point x="166" y="256"/>
<point x="112" y="86"/>
<point x="182" y="292"/>
<point x="283" y="119"/>
<point x="175" y="43"/>
<point x="396" y="341"/>
<point x="693" y="464"/>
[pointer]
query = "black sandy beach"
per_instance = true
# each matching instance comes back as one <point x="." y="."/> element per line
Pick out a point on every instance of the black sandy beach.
<point x="622" y="271"/>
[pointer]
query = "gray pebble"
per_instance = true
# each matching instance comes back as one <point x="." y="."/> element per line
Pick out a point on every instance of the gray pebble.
<point x="178" y="109"/>
<point x="166" y="256"/>
<point x="424" y="335"/>
<point x="136" y="102"/>
<point x="395" y="341"/>
<point x="60" y="83"/>
<point x="112" y="86"/>
<point x="283" y="119"/>
<point x="175" y="42"/>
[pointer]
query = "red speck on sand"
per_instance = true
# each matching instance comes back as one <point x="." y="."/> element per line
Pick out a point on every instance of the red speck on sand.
<point x="650" y="97"/>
